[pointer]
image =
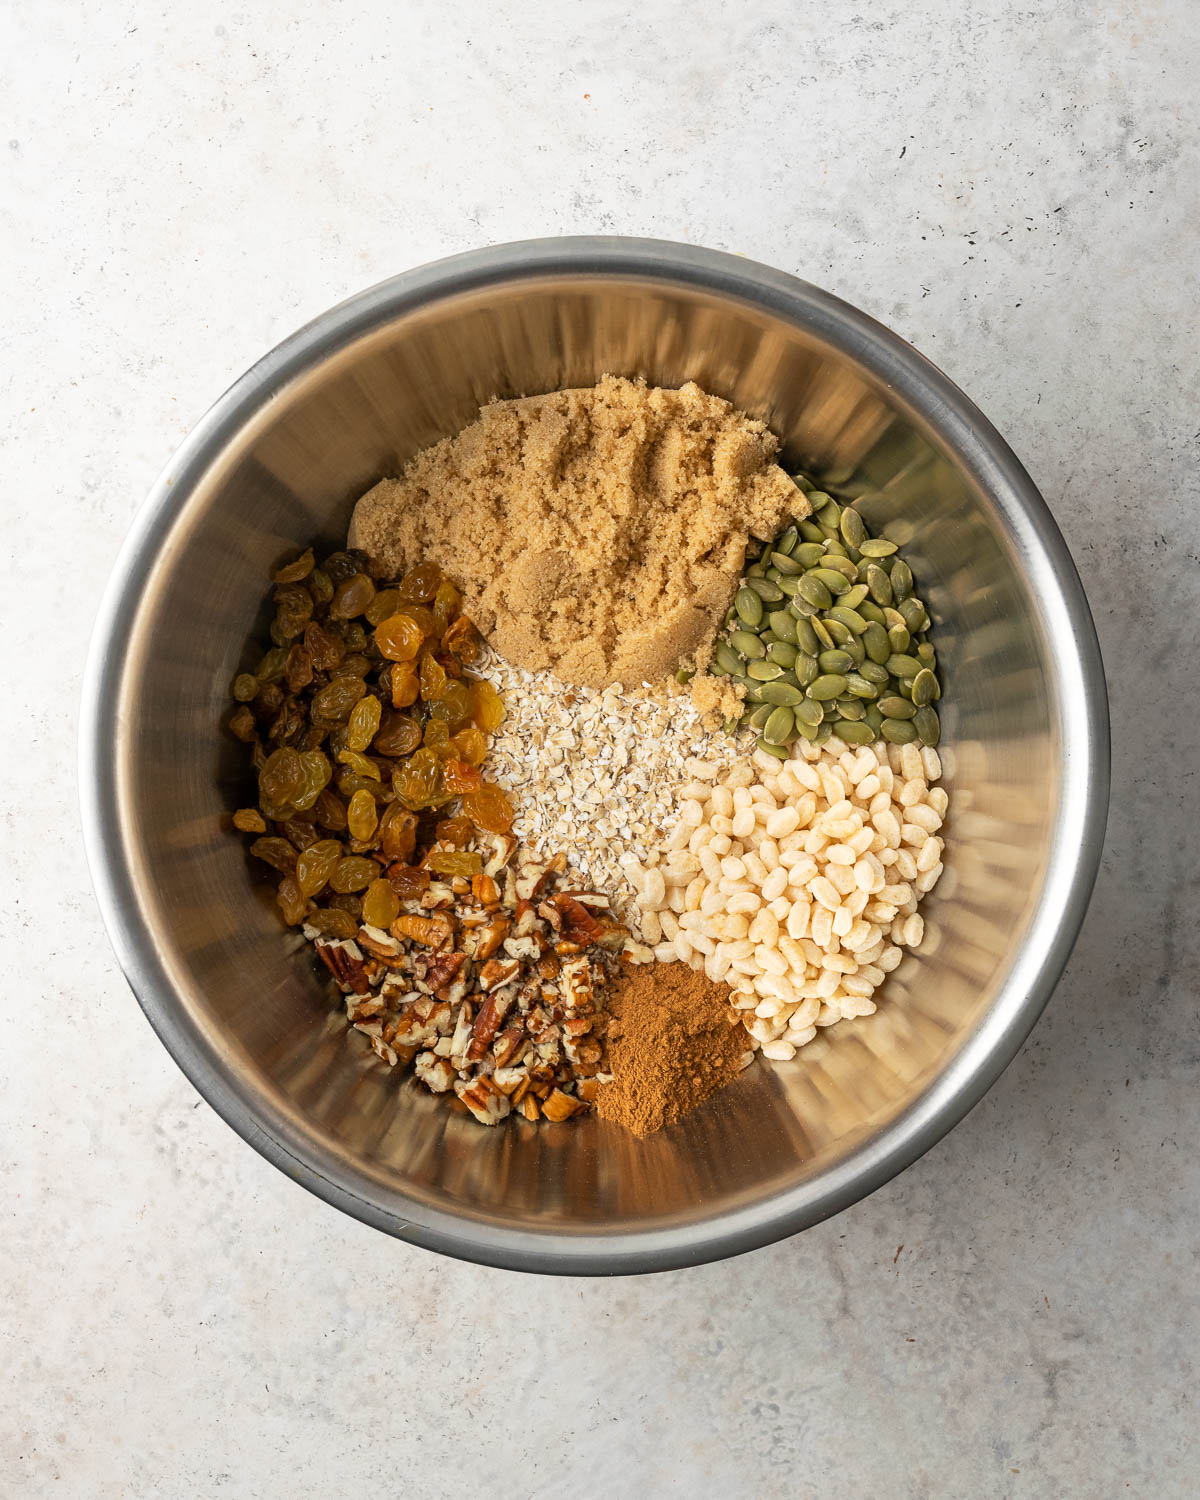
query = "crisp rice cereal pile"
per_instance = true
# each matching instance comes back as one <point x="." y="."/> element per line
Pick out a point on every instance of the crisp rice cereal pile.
<point x="596" y="774"/>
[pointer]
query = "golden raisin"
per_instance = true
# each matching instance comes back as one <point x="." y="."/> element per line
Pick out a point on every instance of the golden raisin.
<point x="489" y="809"/>
<point x="326" y="650"/>
<point x="397" y="735"/>
<point x="293" y="611"/>
<point x="351" y="597"/>
<point x="363" y="722"/>
<point x="407" y="882"/>
<point x="353" y="873"/>
<point x="399" y="638"/>
<point x="335" y="700"/>
<point x="362" y="816"/>
<point x="437" y="736"/>
<point x="433" y="677"/>
<point x="398" y="832"/>
<point x="445" y="605"/>
<point x="282" y="777"/>
<point x="454" y="862"/>
<point x="406" y="687"/>
<point x="459" y="777"/>
<point x="381" y="905"/>
<point x="487" y="706"/>
<point x="316" y="864"/>
<point x="419" y="585"/>
<point x="418" y="781"/>
<point x="249" y="820"/>
<point x="330" y="811"/>
<point x="470" y="746"/>
<point x="453" y="703"/>
<point x="245" y="687"/>
<point x="276" y="852"/>
<point x="242" y="724"/>
<point x="457" y="831"/>
<point x="292" y="902"/>
<point x="334" y="922"/>
<point x="361" y="765"/>
<point x="320" y="586"/>
<point x="295" y="571"/>
<point x="462" y="640"/>
<point x="317" y="772"/>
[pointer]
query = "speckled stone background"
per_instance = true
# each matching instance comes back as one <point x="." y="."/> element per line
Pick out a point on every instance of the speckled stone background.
<point x="1013" y="187"/>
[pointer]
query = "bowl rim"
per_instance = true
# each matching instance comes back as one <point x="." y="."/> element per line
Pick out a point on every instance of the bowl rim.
<point x="1072" y="864"/>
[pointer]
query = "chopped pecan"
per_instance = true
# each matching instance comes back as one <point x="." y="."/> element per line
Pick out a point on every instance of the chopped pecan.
<point x="430" y="932"/>
<point x="484" y="890"/>
<point x="560" y="1106"/>
<point x="483" y="1099"/>
<point x="487" y="1024"/>
<point x="343" y="959"/>
<point x="576" y="983"/>
<point x="529" y="1107"/>
<point x="508" y="1046"/>
<point x="577" y="923"/>
<point x="486" y="940"/>
<point x="497" y="971"/>
<point x="434" y="1072"/>
<point x="442" y="969"/>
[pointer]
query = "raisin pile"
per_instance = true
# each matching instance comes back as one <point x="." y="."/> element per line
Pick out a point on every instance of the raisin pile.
<point x="367" y="735"/>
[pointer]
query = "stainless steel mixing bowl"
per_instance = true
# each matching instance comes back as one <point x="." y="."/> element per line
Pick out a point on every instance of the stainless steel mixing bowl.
<point x="280" y="459"/>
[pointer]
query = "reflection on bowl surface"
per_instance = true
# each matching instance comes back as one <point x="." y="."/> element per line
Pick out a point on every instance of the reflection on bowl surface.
<point x="279" y="461"/>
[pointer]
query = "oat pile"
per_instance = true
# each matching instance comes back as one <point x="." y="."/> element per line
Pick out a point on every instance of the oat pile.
<point x="598" y="533"/>
<point x="597" y="773"/>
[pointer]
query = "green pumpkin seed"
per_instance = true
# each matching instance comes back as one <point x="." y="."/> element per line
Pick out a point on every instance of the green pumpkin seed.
<point x="778" y="751"/>
<point x="747" y="645"/>
<point x="830" y="579"/>
<point x="809" y="554"/>
<point x="807" y="731"/>
<point x="814" y="592"/>
<point x="755" y="570"/>
<point x="782" y="652"/>
<point x="809" y="712"/>
<point x="726" y="658"/>
<point x="927" y="654"/>
<point x="780" y="727"/>
<point x="824" y="732"/>
<point x="811" y="532"/>
<point x="902" y="579"/>
<point x="927" y="725"/>
<point x="874" y="718"/>
<point x="778" y="694"/>
<point x="898" y="732"/>
<point x="839" y="634"/>
<point x="854" y="533"/>
<point x="870" y="611"/>
<point x="874" y="672"/>
<point x="684" y="676"/>
<point x="757" y="716"/>
<point x="875" y="639"/>
<point x="787" y="542"/>
<point x="899" y="639"/>
<point x="766" y="637"/>
<point x="818" y="499"/>
<point x="877" y="547"/>
<point x="850" y="618"/>
<point x="764" y="671"/>
<point x="788" y="585"/>
<point x="805" y="670"/>
<point x="828" y="686"/>
<point x="854" y="733"/>
<point x="879" y="584"/>
<point x="913" y="612"/>
<point x="801" y="480"/>
<point x="824" y="635"/>
<point x="829" y="532"/>
<point x="806" y="637"/>
<point x="730" y="725"/>
<point x="835" y="661"/>
<point x="782" y="624"/>
<point x="855" y="598"/>
<point x="749" y="607"/>
<point x="766" y="589"/>
<point x="786" y="565"/>
<point x="839" y="564"/>
<point x="924" y="685"/>
<point x="851" y="708"/>
<point x="861" y="687"/>
<point x="903" y="666"/>
<point x="895" y="707"/>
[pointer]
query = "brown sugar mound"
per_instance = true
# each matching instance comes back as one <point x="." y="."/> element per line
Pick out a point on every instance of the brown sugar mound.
<point x="597" y="533"/>
<point x="670" y="1045"/>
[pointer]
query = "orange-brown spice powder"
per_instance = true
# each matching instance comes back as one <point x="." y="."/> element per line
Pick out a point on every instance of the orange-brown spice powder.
<point x="670" y="1046"/>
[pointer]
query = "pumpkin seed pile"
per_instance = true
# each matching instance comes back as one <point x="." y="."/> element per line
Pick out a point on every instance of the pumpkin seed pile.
<point x="827" y="637"/>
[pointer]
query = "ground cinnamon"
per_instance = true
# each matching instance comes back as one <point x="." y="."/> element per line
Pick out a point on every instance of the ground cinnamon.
<point x="670" y="1046"/>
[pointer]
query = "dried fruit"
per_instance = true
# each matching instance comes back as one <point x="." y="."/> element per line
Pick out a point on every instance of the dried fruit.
<point x="361" y="765"/>
<point x="406" y="687"/>
<point x="397" y="735"/>
<point x="458" y="777"/>
<point x="487" y="706"/>
<point x="282" y="777"/>
<point x="292" y="902"/>
<point x="419" y="585"/>
<point x="453" y="703"/>
<point x="317" y="772"/>
<point x="489" y="808"/>
<point x="381" y="905"/>
<point x="455" y="862"/>
<point x="353" y="873"/>
<point x="316" y="864"/>
<point x="399" y="638"/>
<point x="433" y="677"/>
<point x="445" y="606"/>
<point x="333" y="922"/>
<point x="418" y="781"/>
<point x="461" y="640"/>
<point x="407" y="882"/>
<point x="364" y="720"/>
<point x="293" y="611"/>
<point x="456" y="831"/>
<point x="470" y="745"/>
<point x="245" y="687"/>
<point x="330" y="811"/>
<point x="398" y="832"/>
<point x="249" y="820"/>
<point x="335" y="700"/>
<point x="351" y="597"/>
<point x="362" y="816"/>
<point x="242" y="725"/>
<point x="297" y="570"/>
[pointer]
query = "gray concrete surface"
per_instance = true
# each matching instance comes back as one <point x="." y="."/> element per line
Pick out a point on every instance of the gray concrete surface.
<point x="1012" y="186"/>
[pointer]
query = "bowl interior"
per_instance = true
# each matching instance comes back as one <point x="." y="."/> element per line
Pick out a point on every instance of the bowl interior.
<point x="247" y="1013"/>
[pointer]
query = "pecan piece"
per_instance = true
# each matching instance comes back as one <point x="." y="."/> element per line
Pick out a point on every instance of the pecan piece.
<point x="442" y="969"/>
<point x="508" y="1045"/>
<point x="487" y="939"/>
<point x="497" y="971"/>
<point x="487" y="1024"/>
<point x="430" y="932"/>
<point x="560" y="1106"/>
<point x="484" y="1100"/>
<point x="343" y="959"/>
